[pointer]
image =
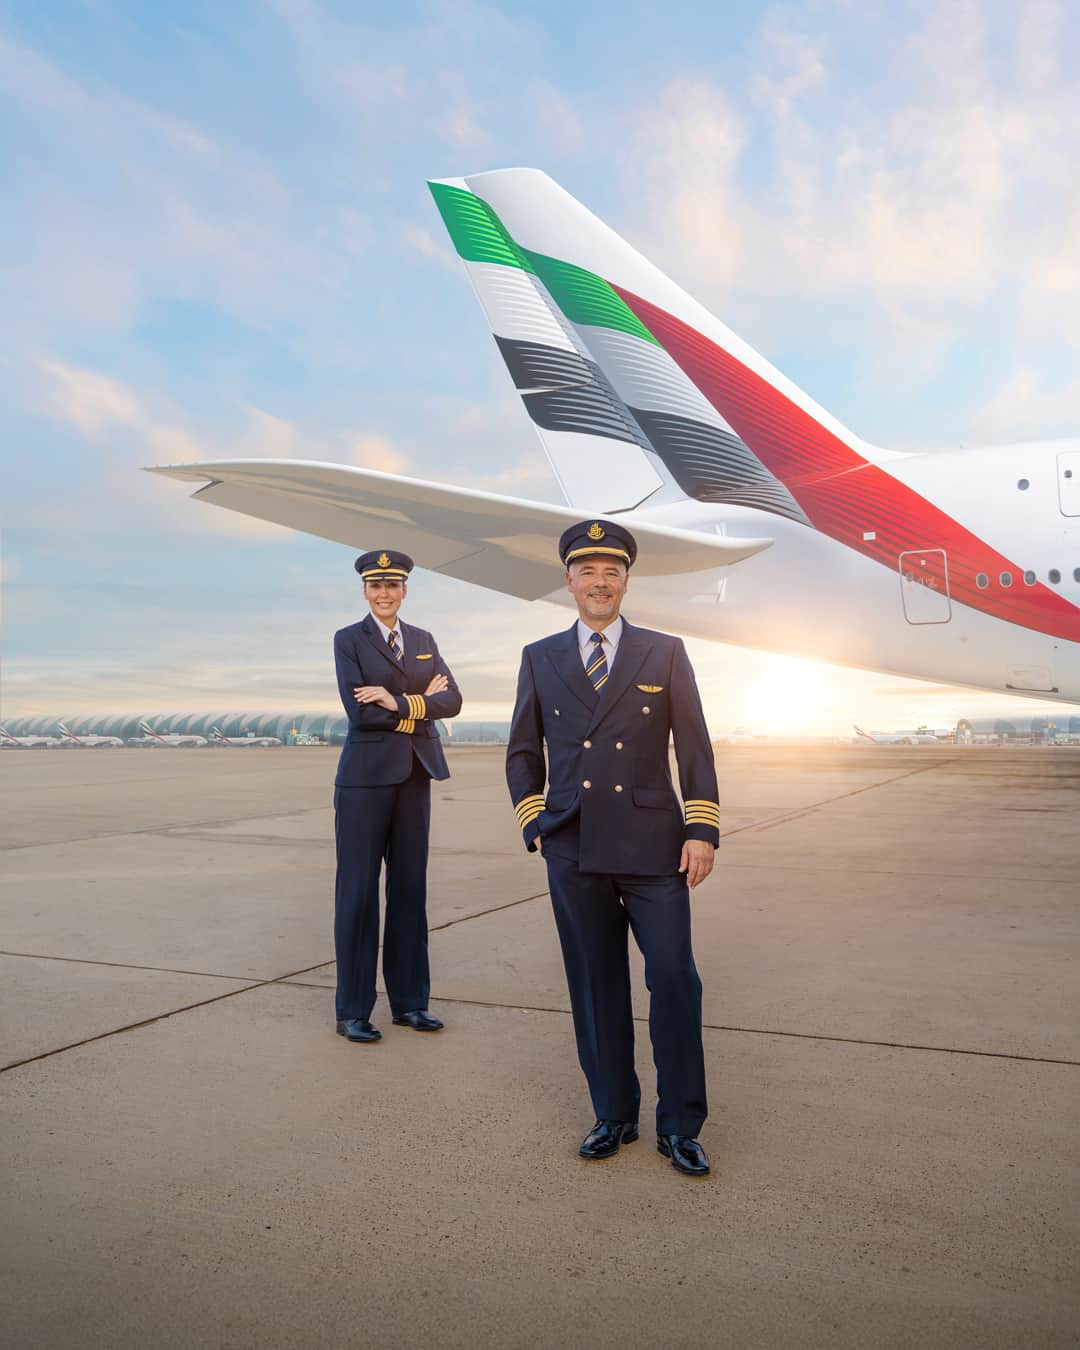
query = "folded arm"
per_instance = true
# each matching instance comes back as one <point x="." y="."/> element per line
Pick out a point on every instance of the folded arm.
<point x="369" y="716"/>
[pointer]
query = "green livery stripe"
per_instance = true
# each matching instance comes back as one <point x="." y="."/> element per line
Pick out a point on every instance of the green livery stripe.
<point x="586" y="298"/>
<point x="480" y="236"/>
<point x="477" y="232"/>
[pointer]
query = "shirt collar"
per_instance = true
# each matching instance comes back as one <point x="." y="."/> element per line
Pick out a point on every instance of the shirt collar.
<point x="387" y="631"/>
<point x="610" y="634"/>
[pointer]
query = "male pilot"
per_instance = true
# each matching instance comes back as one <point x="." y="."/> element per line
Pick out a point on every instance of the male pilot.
<point x="394" y="684"/>
<point x="620" y="852"/>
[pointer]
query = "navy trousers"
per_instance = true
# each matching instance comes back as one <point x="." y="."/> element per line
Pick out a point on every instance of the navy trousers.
<point x="594" y="914"/>
<point x="374" y="825"/>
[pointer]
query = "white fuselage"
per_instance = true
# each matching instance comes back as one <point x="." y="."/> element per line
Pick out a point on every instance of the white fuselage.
<point x="813" y="596"/>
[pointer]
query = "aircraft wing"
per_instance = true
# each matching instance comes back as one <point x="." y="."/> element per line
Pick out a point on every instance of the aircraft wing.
<point x="503" y="543"/>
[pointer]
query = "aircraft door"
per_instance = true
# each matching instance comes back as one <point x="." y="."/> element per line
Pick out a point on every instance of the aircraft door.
<point x="1069" y="482"/>
<point x="924" y="586"/>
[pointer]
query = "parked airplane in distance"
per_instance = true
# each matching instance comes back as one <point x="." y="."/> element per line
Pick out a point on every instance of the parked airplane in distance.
<point x="93" y="742"/>
<point x="920" y="737"/>
<point x="174" y="740"/>
<point x="217" y="737"/>
<point x="761" y="519"/>
<point x="28" y="742"/>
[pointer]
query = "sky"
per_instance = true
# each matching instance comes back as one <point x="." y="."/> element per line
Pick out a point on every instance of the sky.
<point x="217" y="241"/>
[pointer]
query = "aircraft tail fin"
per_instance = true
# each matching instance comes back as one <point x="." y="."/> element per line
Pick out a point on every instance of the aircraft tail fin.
<point x="631" y="384"/>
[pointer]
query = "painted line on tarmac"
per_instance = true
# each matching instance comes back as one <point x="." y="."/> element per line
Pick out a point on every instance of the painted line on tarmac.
<point x="767" y="1031"/>
<point x="289" y="976"/>
<point x="130" y="965"/>
<point x="767" y="822"/>
<point x="159" y="1017"/>
<point x="166" y="830"/>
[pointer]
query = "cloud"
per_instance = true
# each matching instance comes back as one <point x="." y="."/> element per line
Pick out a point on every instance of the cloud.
<point x="937" y="186"/>
<point x="130" y="430"/>
<point x="372" y="451"/>
<point x="89" y="400"/>
<point x="1028" y="405"/>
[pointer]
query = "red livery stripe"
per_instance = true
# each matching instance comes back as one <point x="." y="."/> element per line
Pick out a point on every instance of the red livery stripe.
<point x="844" y="495"/>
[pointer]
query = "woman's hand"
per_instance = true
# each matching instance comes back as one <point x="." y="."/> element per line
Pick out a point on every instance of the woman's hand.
<point x="375" y="693"/>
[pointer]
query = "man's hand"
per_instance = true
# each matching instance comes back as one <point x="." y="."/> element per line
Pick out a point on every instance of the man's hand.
<point x="375" y="693"/>
<point x="439" y="684"/>
<point x="696" y="860"/>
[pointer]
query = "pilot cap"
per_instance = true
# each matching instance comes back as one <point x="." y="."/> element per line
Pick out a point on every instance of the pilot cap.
<point x="384" y="563"/>
<point x="597" y="536"/>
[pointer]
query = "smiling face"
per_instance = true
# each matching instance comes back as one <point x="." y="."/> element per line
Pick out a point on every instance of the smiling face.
<point x="598" y="583"/>
<point x="384" y="595"/>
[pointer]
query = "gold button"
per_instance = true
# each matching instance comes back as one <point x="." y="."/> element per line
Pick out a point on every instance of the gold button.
<point x="588" y="745"/>
<point x="587" y="783"/>
<point x="618" y="745"/>
<point x="618" y="787"/>
<point x="645" y="709"/>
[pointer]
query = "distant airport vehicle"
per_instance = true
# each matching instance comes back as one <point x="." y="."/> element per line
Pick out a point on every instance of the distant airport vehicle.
<point x="919" y="737"/>
<point x="93" y="742"/>
<point x="28" y="742"/>
<point x="174" y="740"/>
<point x="761" y="519"/>
<point x="218" y="737"/>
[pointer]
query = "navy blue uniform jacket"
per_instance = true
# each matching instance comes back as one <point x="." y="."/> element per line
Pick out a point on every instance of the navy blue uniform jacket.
<point x="381" y="745"/>
<point x="610" y="804"/>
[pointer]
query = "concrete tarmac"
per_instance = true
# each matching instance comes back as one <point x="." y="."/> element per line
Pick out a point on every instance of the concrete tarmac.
<point x="888" y="948"/>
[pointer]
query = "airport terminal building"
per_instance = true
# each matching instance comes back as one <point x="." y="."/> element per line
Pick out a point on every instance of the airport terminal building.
<point x="291" y="728"/>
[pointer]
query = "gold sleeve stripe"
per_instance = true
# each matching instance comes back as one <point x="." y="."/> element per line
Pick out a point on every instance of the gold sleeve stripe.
<point x="708" y="816"/>
<point x="417" y="707"/>
<point x="528" y="809"/>
<point x="407" y="725"/>
<point x="700" y="811"/>
<point x="700" y="801"/>
<point x="703" y="820"/>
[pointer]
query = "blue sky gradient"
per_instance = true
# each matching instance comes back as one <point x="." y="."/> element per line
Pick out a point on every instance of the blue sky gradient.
<point x="218" y="241"/>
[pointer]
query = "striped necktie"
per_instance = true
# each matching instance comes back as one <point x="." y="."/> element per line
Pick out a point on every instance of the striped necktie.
<point x="395" y="645"/>
<point x="597" y="670"/>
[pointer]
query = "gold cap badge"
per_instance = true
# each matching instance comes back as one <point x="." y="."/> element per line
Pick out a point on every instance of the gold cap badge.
<point x="384" y="559"/>
<point x="595" y="532"/>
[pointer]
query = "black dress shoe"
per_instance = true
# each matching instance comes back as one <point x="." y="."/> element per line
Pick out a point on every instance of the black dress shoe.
<point x="419" y="1020"/>
<point x="356" y="1029"/>
<point x="686" y="1154"/>
<point x="604" y="1138"/>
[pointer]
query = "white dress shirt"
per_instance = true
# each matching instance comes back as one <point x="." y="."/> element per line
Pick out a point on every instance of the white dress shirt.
<point x="610" y="642"/>
<point x="387" y="631"/>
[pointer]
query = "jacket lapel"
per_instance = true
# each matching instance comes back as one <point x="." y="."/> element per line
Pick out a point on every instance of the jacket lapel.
<point x="633" y="649"/>
<point x="371" y="630"/>
<point x="416" y="677"/>
<point x="565" y="657"/>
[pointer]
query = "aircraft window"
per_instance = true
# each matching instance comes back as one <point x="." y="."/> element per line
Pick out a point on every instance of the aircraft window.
<point x="1076" y="574"/>
<point x="1006" y="578"/>
<point x="1023" y="484"/>
<point x="982" y="581"/>
<point x="1029" y="578"/>
<point x="1055" y="575"/>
